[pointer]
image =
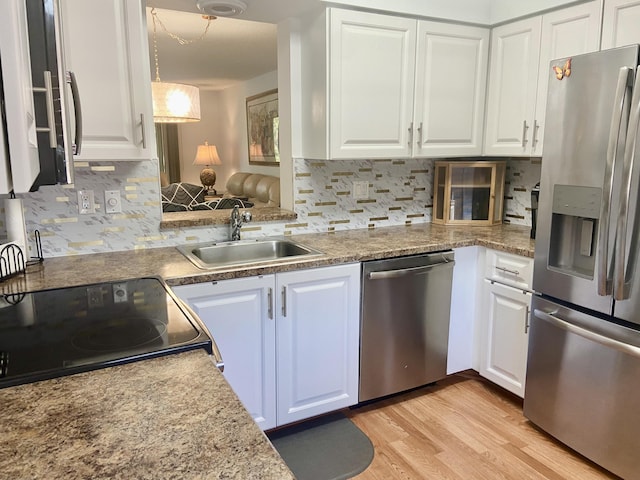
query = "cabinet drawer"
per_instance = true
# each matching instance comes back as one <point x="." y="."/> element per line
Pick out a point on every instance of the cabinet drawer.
<point x="509" y="269"/>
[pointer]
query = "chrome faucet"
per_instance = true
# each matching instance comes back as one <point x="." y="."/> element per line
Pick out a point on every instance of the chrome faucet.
<point x="237" y="220"/>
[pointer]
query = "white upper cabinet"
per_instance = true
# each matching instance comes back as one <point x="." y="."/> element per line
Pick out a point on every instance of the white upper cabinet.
<point x="511" y="100"/>
<point x="620" y="23"/>
<point x="371" y="63"/>
<point x="105" y="45"/>
<point x="451" y="74"/>
<point x="391" y="87"/>
<point x="18" y="169"/>
<point x="521" y="53"/>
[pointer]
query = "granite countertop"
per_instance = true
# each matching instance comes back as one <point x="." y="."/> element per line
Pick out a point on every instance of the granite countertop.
<point x="176" y="416"/>
<point x="172" y="417"/>
<point x="338" y="247"/>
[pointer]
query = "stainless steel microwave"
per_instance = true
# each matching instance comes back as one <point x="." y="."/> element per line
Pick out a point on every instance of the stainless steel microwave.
<point x="39" y="99"/>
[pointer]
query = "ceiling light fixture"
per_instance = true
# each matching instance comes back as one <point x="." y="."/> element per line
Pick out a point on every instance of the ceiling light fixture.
<point x="174" y="102"/>
<point x="222" y="8"/>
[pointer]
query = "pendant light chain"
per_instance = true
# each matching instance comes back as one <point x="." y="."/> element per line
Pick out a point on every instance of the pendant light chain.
<point x="155" y="45"/>
<point x="178" y="38"/>
<point x="174" y="102"/>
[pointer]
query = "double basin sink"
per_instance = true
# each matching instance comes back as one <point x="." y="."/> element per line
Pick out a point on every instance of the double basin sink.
<point x="226" y="254"/>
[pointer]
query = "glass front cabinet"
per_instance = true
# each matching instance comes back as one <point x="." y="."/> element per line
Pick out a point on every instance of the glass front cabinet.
<point x="468" y="193"/>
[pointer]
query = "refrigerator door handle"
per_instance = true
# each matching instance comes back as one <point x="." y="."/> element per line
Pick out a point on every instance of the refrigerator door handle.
<point x="551" y="318"/>
<point x="604" y="286"/>
<point x="621" y="289"/>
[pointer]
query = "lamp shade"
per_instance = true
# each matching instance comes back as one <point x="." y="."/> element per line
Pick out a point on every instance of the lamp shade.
<point x="207" y="155"/>
<point x="175" y="102"/>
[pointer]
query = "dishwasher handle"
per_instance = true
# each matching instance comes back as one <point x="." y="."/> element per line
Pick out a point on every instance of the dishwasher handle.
<point x="385" y="274"/>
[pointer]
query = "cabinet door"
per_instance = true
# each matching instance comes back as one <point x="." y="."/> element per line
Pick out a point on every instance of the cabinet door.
<point x="236" y="313"/>
<point x="105" y="45"/>
<point x="19" y="170"/>
<point x="513" y="79"/>
<point x="620" y="23"/>
<point x="317" y="341"/>
<point x="504" y="347"/>
<point x="450" y="89"/>
<point x="566" y="32"/>
<point x="371" y="85"/>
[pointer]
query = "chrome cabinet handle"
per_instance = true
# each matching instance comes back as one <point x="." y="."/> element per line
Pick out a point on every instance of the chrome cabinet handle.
<point x="526" y="319"/>
<point x="77" y="109"/>
<point x="506" y="270"/>
<point x="51" y="119"/>
<point x="534" y="140"/>
<point x="588" y="334"/>
<point x="419" y="142"/>
<point x="270" y="303"/>
<point x="284" y="301"/>
<point x="143" y="131"/>
<point x="525" y="127"/>
<point x="410" y="134"/>
<point x="621" y="290"/>
<point x="604" y="286"/>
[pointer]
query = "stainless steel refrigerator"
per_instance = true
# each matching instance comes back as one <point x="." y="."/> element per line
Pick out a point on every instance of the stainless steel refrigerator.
<point x="583" y="371"/>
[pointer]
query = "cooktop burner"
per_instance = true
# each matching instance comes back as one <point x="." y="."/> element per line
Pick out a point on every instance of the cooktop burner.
<point x="58" y="332"/>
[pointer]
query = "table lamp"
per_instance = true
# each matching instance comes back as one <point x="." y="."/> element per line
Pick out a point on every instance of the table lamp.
<point x="207" y="155"/>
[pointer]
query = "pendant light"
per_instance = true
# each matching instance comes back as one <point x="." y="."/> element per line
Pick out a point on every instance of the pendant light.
<point x="174" y="102"/>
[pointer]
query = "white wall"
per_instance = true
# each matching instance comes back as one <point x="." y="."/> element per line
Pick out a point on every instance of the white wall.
<point x="506" y="10"/>
<point x="223" y="124"/>
<point x="483" y="12"/>
<point x="472" y="11"/>
<point x="233" y="107"/>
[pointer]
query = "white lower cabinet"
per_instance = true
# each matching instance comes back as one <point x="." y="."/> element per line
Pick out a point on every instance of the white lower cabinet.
<point x="504" y="335"/>
<point x="289" y="341"/>
<point x="236" y="313"/>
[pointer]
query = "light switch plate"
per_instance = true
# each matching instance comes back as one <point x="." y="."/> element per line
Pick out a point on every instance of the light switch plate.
<point x="112" y="201"/>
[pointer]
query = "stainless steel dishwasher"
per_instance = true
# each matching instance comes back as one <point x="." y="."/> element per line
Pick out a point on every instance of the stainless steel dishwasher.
<point x="405" y="322"/>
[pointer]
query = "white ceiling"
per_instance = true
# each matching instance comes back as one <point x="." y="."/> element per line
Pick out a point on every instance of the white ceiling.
<point x="268" y="11"/>
<point x="234" y="49"/>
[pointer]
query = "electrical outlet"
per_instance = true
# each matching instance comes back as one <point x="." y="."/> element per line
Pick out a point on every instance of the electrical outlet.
<point x="86" y="202"/>
<point x="360" y="190"/>
<point x="94" y="297"/>
<point x="112" y="201"/>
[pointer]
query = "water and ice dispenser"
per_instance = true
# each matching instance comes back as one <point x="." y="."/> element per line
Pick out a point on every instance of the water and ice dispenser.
<point x="574" y="226"/>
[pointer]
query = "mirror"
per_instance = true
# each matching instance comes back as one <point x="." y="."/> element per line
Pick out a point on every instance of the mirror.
<point x="234" y="61"/>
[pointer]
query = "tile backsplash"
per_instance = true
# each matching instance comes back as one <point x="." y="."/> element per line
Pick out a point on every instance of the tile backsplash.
<point x="522" y="175"/>
<point x="399" y="193"/>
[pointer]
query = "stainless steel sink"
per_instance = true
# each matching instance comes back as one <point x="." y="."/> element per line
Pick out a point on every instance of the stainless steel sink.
<point x="224" y="254"/>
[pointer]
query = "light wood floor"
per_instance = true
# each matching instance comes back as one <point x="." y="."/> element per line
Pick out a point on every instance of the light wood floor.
<point x="463" y="428"/>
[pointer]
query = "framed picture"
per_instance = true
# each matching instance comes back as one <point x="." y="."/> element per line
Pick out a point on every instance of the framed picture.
<point x="262" y="128"/>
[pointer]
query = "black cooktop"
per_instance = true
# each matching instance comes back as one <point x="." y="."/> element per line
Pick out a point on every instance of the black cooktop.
<point x="51" y="333"/>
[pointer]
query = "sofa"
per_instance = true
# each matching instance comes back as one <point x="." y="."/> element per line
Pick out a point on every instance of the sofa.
<point x="261" y="190"/>
<point x="243" y="189"/>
